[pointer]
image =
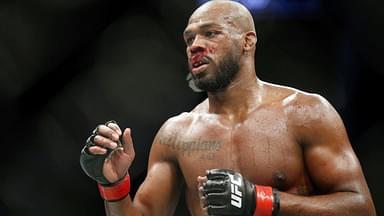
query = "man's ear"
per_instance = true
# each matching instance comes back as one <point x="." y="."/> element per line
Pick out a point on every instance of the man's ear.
<point x="250" y="41"/>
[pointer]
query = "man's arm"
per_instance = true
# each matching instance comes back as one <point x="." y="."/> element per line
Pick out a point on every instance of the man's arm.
<point x="331" y="163"/>
<point x="160" y="191"/>
<point x="158" y="194"/>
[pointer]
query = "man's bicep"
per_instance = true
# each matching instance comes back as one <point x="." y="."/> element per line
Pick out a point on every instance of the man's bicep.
<point x="329" y="157"/>
<point x="160" y="191"/>
<point x="333" y="170"/>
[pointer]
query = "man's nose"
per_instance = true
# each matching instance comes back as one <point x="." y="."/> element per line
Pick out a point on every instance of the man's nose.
<point x="197" y="46"/>
<point x="197" y="49"/>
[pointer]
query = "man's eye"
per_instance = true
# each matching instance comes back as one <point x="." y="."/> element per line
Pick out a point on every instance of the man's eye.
<point x="189" y="40"/>
<point x="210" y="34"/>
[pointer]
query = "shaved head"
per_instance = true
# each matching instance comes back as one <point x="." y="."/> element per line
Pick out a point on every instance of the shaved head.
<point x="221" y="42"/>
<point x="231" y="12"/>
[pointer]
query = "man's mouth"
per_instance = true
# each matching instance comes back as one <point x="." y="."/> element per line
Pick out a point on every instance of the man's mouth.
<point x="199" y="65"/>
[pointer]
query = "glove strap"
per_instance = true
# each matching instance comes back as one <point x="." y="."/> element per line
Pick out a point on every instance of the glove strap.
<point x="264" y="201"/>
<point x="115" y="192"/>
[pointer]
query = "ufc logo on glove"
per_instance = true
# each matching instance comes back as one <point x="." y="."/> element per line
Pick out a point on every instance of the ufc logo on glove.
<point x="236" y="195"/>
<point x="228" y="193"/>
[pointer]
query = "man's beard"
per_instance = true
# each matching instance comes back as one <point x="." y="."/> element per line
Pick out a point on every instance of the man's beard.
<point x="227" y="70"/>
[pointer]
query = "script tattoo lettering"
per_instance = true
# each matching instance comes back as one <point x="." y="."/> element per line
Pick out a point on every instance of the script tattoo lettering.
<point x="187" y="146"/>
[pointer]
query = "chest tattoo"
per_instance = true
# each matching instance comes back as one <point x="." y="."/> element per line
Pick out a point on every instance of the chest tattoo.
<point x="187" y="146"/>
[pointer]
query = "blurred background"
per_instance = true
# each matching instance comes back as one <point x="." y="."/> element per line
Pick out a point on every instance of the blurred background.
<point x="69" y="65"/>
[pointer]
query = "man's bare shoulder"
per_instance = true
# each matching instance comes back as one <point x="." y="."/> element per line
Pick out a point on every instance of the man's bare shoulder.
<point x="182" y="122"/>
<point x="308" y="114"/>
<point x="303" y="108"/>
<point x="292" y="98"/>
<point x="167" y="141"/>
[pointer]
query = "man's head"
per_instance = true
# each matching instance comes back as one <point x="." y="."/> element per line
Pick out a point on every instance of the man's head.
<point x="220" y="37"/>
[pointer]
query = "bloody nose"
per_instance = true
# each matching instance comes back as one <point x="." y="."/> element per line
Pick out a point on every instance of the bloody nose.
<point x="197" y="52"/>
<point x="197" y="49"/>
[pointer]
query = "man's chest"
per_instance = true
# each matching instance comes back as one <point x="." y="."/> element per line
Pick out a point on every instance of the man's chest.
<point x="263" y="150"/>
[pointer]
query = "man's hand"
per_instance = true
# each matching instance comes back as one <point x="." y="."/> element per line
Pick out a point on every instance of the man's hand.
<point x="104" y="158"/>
<point x="224" y="192"/>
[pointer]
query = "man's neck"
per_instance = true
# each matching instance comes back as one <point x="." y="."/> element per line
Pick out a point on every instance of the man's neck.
<point x="241" y="97"/>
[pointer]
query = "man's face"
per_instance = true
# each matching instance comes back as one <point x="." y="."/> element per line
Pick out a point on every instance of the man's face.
<point x="213" y="51"/>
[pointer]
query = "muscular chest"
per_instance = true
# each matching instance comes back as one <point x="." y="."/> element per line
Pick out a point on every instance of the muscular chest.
<point x="262" y="149"/>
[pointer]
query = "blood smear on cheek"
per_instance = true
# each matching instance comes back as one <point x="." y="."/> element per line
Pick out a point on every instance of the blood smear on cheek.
<point x="212" y="50"/>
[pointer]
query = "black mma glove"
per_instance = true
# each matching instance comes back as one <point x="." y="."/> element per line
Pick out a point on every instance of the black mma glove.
<point x="93" y="164"/>
<point x="227" y="193"/>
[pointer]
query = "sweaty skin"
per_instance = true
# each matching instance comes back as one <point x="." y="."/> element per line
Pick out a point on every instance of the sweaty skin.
<point x="273" y="135"/>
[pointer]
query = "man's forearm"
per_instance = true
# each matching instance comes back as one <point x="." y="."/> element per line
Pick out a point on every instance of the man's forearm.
<point x="340" y="203"/>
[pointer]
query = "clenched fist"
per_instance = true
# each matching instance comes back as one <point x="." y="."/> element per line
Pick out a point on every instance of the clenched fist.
<point x="105" y="158"/>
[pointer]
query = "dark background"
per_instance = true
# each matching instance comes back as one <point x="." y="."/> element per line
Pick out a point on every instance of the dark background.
<point x="68" y="65"/>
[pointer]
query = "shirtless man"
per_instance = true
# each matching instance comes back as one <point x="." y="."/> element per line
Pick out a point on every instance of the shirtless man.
<point x="246" y="138"/>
